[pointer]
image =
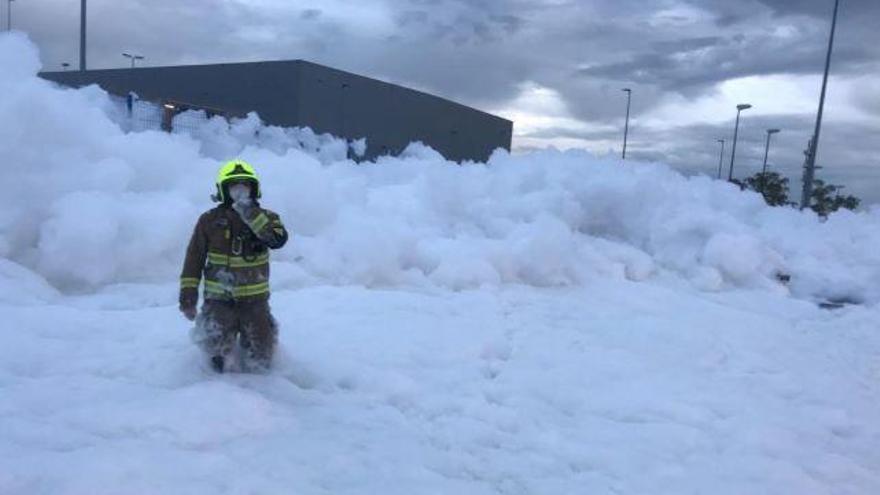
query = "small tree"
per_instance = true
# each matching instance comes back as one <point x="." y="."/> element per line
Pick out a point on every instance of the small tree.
<point x="771" y="185"/>
<point x="825" y="199"/>
<point x="849" y="202"/>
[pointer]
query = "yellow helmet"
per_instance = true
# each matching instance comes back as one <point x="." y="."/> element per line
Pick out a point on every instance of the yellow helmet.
<point x="235" y="170"/>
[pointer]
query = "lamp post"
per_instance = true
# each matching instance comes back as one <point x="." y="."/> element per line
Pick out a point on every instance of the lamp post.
<point x="133" y="58"/>
<point x="9" y="15"/>
<point x="82" y="35"/>
<point x="739" y="108"/>
<point x="720" y="157"/>
<point x="626" y="124"/>
<point x="770" y="132"/>
<point x="810" y="166"/>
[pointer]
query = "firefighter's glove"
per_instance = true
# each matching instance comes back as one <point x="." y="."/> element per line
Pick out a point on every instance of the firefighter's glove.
<point x="242" y="202"/>
<point x="189" y="312"/>
<point x="268" y="230"/>
<point x="246" y="210"/>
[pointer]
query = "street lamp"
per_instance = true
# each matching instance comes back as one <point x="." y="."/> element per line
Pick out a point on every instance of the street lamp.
<point x="133" y="58"/>
<point x="9" y="15"/>
<point x="810" y="166"/>
<point x="720" y="157"/>
<point x="739" y="108"/>
<point x="626" y="125"/>
<point x="82" y="35"/>
<point x="770" y="132"/>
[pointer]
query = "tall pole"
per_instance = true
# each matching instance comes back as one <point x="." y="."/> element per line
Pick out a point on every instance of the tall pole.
<point x="9" y="15"/>
<point x="733" y="150"/>
<point x="770" y="132"/>
<point x="720" y="158"/>
<point x="82" y="35"/>
<point x="739" y="108"/>
<point x="810" y="167"/>
<point x="626" y="125"/>
<point x="764" y="167"/>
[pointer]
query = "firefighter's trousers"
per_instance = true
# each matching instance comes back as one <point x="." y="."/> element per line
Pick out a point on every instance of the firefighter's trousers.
<point x="221" y="322"/>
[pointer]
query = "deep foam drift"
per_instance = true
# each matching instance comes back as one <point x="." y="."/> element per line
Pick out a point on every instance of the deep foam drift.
<point x="91" y="205"/>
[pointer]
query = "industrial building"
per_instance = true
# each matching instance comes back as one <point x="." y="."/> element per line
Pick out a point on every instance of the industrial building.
<point x="298" y="93"/>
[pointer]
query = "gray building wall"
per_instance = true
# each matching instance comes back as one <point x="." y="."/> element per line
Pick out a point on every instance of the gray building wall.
<point x="300" y="93"/>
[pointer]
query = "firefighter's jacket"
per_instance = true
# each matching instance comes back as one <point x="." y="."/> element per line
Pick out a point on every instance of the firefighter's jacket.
<point x="230" y="255"/>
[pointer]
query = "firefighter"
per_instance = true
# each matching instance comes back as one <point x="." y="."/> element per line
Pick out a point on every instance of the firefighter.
<point x="229" y="249"/>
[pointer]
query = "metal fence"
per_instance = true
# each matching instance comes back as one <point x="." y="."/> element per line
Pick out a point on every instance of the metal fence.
<point x="136" y="115"/>
<point x="169" y="116"/>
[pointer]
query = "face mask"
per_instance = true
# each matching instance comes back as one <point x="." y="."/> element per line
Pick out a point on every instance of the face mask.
<point x="240" y="193"/>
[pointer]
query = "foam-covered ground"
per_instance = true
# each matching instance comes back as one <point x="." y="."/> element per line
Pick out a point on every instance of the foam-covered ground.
<point x="615" y="387"/>
<point x="544" y="323"/>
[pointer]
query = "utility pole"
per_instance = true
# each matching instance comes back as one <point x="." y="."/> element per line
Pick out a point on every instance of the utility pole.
<point x="626" y="125"/>
<point x="9" y="15"/>
<point x="720" y="158"/>
<point x="82" y="35"/>
<point x="770" y="132"/>
<point x="739" y="108"/>
<point x="810" y="165"/>
<point x="807" y="152"/>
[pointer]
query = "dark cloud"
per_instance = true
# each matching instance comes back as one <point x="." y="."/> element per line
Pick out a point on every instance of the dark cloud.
<point x="728" y="20"/>
<point x="412" y="17"/>
<point x="688" y="44"/>
<point x="697" y="63"/>
<point x="565" y="132"/>
<point x="510" y="23"/>
<point x="475" y="51"/>
<point x="822" y="8"/>
<point x="310" y="14"/>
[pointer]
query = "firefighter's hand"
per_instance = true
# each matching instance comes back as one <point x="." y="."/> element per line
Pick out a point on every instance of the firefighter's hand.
<point x="245" y="209"/>
<point x="189" y="312"/>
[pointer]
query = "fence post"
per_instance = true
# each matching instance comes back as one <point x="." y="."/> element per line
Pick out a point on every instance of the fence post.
<point x="167" y="116"/>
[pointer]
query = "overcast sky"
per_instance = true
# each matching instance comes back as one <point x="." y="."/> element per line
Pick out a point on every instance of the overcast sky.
<point x="554" y="67"/>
